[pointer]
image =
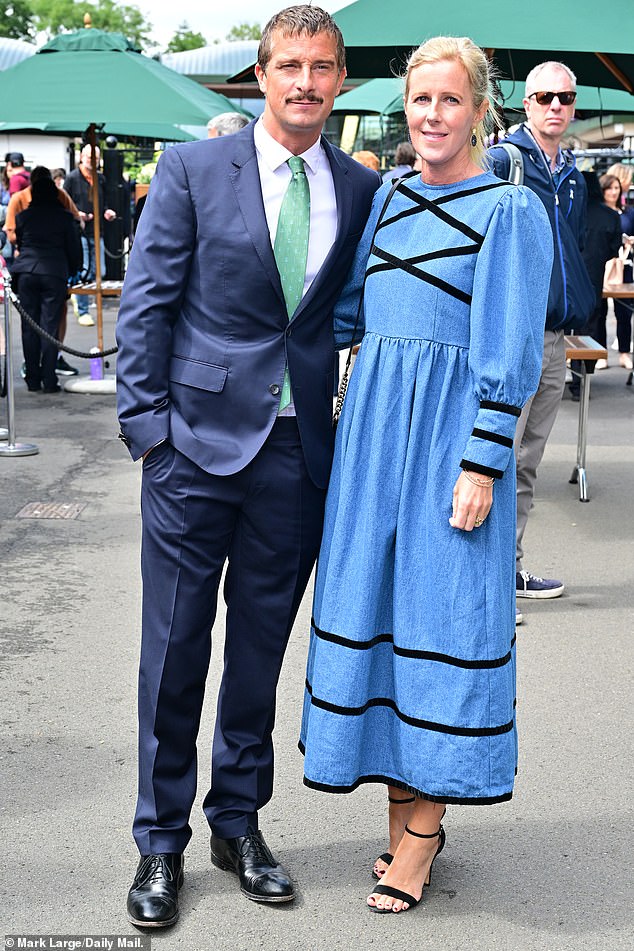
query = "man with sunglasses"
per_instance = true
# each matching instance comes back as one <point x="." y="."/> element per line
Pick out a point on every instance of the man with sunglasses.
<point x="549" y="171"/>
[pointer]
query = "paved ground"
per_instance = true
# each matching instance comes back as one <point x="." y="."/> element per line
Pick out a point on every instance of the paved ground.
<point x="550" y="871"/>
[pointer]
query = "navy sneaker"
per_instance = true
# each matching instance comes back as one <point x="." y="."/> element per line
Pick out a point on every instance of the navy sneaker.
<point x="65" y="369"/>
<point x="530" y="586"/>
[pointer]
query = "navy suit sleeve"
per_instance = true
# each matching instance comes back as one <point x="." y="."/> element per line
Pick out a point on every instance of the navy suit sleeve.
<point x="150" y="304"/>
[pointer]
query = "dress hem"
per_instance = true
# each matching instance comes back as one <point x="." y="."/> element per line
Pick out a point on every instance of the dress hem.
<point x="386" y="780"/>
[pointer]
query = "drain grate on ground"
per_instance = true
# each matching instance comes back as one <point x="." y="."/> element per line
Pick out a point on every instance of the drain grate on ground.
<point x="51" y="510"/>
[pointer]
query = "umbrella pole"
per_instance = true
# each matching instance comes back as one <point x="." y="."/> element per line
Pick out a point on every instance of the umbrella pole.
<point x="92" y="138"/>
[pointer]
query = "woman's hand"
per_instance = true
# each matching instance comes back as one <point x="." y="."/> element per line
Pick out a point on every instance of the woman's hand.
<point x="471" y="503"/>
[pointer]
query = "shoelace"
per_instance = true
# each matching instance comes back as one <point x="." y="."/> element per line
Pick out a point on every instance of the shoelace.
<point x="527" y="576"/>
<point x="252" y="841"/>
<point x="154" y="870"/>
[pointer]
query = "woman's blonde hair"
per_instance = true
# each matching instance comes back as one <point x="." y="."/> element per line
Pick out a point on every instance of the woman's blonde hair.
<point x="479" y="72"/>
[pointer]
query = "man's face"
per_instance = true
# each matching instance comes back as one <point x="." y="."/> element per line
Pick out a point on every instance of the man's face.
<point x="300" y="83"/>
<point x="552" y="120"/>
<point x="86" y="156"/>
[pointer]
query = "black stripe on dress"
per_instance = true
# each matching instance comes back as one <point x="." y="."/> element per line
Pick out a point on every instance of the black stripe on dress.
<point x="410" y="652"/>
<point x="501" y="407"/>
<point x="411" y="721"/>
<point x="493" y="437"/>
<point x="449" y="800"/>
<point x="482" y="470"/>
<point x="404" y="265"/>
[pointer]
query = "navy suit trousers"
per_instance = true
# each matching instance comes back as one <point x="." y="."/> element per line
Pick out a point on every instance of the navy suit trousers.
<point x="265" y="522"/>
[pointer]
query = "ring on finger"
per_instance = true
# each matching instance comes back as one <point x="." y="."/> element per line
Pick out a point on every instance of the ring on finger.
<point x="478" y="522"/>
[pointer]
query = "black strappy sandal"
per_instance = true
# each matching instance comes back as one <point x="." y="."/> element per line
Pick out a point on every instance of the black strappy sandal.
<point x="403" y="896"/>
<point x="387" y="857"/>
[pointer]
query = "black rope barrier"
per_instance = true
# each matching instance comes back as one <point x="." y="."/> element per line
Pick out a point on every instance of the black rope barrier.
<point x="61" y="346"/>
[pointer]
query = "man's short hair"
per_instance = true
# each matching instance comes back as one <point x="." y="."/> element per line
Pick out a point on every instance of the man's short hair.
<point x="227" y="123"/>
<point x="531" y="80"/>
<point x="15" y="158"/>
<point x="296" y="21"/>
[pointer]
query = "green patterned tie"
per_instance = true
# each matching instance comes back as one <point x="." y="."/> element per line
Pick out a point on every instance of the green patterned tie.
<point x="291" y="247"/>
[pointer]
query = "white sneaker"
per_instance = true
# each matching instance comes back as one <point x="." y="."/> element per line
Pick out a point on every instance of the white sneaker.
<point x="85" y="320"/>
<point x="625" y="361"/>
<point x="518" y="617"/>
<point x="601" y="365"/>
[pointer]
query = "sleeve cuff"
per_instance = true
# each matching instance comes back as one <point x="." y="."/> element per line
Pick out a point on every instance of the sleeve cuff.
<point x="490" y="445"/>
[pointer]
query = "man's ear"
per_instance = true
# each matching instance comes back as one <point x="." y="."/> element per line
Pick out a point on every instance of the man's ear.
<point x="260" y="75"/>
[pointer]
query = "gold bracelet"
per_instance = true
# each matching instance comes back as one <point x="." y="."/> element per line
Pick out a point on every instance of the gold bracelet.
<point x="478" y="481"/>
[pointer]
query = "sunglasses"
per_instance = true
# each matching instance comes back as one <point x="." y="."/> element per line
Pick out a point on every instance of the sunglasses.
<point x="545" y="98"/>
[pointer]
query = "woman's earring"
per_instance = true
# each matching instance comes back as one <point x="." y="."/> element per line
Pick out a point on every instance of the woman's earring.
<point x="474" y="139"/>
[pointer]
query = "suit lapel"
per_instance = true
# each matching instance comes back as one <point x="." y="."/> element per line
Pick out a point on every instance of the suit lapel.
<point x="343" y="195"/>
<point x="245" y="179"/>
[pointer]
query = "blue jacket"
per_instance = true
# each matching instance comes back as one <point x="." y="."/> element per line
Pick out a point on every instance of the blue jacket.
<point x="571" y="297"/>
<point x="203" y="330"/>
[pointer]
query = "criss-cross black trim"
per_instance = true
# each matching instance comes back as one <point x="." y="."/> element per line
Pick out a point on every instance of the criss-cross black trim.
<point x="421" y="203"/>
<point x="404" y="265"/>
<point x="411" y="652"/>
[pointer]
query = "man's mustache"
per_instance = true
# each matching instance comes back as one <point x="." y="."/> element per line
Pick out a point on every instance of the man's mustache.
<point x="310" y="97"/>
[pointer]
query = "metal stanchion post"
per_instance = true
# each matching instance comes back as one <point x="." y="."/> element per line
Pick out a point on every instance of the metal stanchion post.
<point x="11" y="448"/>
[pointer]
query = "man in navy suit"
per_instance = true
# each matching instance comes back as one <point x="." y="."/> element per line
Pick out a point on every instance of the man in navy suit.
<point x="234" y="470"/>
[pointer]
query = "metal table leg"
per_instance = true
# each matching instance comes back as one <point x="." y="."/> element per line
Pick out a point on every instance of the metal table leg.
<point x="579" y="471"/>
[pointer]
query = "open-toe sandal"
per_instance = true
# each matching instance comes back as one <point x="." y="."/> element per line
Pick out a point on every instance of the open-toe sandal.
<point x="404" y="896"/>
<point x="387" y="857"/>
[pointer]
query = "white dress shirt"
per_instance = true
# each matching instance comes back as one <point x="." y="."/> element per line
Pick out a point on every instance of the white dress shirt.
<point x="274" y="178"/>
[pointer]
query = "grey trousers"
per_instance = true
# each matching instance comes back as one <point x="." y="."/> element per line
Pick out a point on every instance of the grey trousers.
<point x="534" y="426"/>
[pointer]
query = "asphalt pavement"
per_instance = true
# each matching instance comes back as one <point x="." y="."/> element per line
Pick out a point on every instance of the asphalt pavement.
<point x="549" y="871"/>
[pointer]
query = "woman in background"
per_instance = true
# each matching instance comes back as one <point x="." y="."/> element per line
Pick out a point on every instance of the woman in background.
<point x="49" y="248"/>
<point x="622" y="312"/>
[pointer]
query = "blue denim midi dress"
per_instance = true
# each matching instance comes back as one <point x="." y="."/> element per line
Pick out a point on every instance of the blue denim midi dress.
<point x="411" y="666"/>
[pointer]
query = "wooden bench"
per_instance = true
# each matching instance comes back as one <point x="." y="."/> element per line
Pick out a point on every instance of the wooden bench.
<point x="624" y="293"/>
<point x="108" y="288"/>
<point x="588" y="351"/>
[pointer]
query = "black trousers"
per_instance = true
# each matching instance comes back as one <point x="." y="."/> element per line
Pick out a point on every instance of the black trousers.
<point x="42" y="296"/>
<point x="266" y="523"/>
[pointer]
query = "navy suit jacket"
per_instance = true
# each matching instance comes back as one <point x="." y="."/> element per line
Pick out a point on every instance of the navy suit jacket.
<point x="203" y="332"/>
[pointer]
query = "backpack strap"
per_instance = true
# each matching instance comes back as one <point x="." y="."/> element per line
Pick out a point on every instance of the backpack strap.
<point x="516" y="162"/>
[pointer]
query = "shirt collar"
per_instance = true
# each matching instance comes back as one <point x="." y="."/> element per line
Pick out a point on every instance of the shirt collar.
<point x="560" y="158"/>
<point x="274" y="154"/>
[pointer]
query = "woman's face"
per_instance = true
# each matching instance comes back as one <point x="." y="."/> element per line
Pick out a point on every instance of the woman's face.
<point x="441" y="116"/>
<point x="612" y="194"/>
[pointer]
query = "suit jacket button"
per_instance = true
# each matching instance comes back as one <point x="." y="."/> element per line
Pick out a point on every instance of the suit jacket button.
<point x="274" y="389"/>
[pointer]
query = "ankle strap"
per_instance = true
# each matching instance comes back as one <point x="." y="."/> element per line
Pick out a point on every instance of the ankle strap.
<point x="421" y="835"/>
<point x="396" y="801"/>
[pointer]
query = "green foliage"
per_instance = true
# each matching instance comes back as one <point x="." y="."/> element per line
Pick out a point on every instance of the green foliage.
<point x="55" y="16"/>
<point x="185" y="39"/>
<point x="244" y="31"/>
<point x="16" y="20"/>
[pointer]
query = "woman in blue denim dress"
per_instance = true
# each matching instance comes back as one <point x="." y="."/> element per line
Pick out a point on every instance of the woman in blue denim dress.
<point x="411" y="668"/>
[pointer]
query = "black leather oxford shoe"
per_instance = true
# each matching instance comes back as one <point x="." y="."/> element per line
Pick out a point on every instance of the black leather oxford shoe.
<point x="261" y="877"/>
<point x="153" y="898"/>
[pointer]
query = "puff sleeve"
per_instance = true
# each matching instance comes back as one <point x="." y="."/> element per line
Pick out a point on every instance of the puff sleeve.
<point x="508" y="312"/>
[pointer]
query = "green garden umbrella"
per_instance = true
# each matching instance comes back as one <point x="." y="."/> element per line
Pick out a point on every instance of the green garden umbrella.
<point x="94" y="77"/>
<point x="598" y="45"/>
